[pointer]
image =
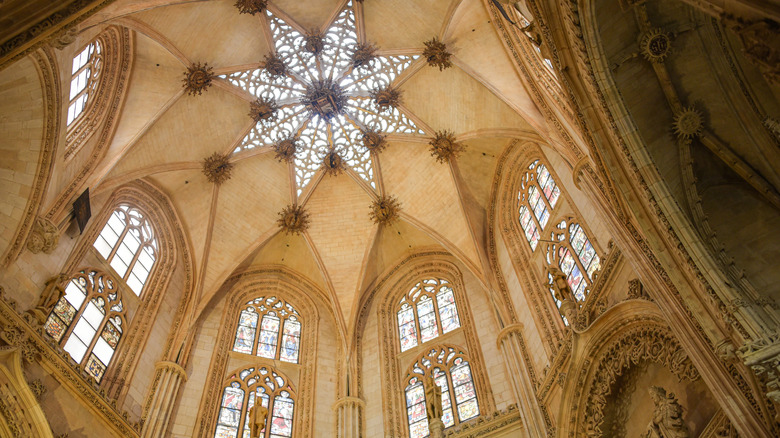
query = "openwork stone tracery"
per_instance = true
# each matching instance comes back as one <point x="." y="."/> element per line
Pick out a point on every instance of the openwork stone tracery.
<point x="326" y="90"/>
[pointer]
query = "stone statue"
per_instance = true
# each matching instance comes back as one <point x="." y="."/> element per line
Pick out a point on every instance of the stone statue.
<point x="432" y="399"/>
<point x="257" y="416"/>
<point x="667" y="419"/>
<point x="563" y="293"/>
<point x="52" y="292"/>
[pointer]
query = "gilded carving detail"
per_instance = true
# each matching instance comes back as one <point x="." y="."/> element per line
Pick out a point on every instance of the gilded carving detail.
<point x="198" y="78"/>
<point x="436" y="54"/>
<point x="293" y="219"/>
<point x="217" y="168"/>
<point x="385" y="210"/>
<point x="444" y="146"/>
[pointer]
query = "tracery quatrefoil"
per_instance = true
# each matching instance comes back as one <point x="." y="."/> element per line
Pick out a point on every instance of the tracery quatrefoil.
<point x="323" y="96"/>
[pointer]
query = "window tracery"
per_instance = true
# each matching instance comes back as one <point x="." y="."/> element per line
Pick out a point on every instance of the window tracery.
<point x="86" y="70"/>
<point x="538" y="196"/>
<point x="450" y="370"/>
<point x="574" y="254"/>
<point x="425" y="312"/>
<point x="324" y="125"/>
<point x="241" y="393"/>
<point x="127" y="242"/>
<point x="92" y="305"/>
<point x="278" y="335"/>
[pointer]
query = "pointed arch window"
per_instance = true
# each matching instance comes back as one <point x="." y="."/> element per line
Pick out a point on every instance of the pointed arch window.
<point x="128" y="244"/>
<point x="278" y="335"/>
<point x="243" y="390"/>
<point x="538" y="196"/>
<point x="450" y="369"/>
<point x="88" y="321"/>
<point x="85" y="74"/>
<point x="575" y="256"/>
<point x="425" y="312"/>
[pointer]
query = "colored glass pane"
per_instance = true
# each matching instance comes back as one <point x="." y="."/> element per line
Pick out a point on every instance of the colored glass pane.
<point x="468" y="410"/>
<point x="65" y="311"/>
<point x="95" y="368"/>
<point x="233" y="398"/>
<point x="225" y="432"/>
<point x="111" y="334"/>
<point x="291" y="340"/>
<point x="269" y="335"/>
<point x="556" y="193"/>
<point x="245" y="338"/>
<point x="54" y="327"/>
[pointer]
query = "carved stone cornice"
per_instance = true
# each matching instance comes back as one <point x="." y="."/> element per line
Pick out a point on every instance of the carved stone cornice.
<point x="763" y="357"/>
<point x="505" y="420"/>
<point x="36" y="346"/>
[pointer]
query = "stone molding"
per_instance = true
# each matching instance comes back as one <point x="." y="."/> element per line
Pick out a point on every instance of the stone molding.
<point x="36" y="346"/>
<point x="173" y="367"/>
<point x="498" y="422"/>
<point x="48" y="74"/>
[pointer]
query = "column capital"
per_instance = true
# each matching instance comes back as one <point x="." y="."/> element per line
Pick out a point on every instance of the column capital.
<point x="350" y="401"/>
<point x="516" y="328"/>
<point x="172" y="366"/>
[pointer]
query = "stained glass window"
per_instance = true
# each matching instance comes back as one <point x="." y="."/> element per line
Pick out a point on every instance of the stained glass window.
<point x="538" y="196"/>
<point x="91" y="305"/>
<point x="127" y="242"/>
<point x="425" y="312"/>
<point x="321" y="87"/>
<point x="85" y="73"/>
<point x="243" y="390"/>
<point x="279" y="334"/>
<point x="450" y="370"/>
<point x="575" y="256"/>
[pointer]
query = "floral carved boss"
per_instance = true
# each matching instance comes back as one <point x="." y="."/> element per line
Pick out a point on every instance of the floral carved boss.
<point x="322" y="88"/>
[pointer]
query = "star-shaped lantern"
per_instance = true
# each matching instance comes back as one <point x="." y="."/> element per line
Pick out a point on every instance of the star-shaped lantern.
<point x="327" y="93"/>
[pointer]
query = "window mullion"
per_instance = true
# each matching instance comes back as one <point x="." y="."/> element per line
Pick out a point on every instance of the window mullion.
<point x="437" y="315"/>
<point x="282" y="321"/>
<point x="258" y="329"/>
<point x="132" y="263"/>
<point x="416" y="323"/>
<point x="453" y="402"/>
<point x="98" y="331"/>
<point x="118" y="243"/>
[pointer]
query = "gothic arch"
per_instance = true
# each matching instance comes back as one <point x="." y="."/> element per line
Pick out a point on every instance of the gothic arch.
<point x="307" y="300"/>
<point x="388" y="293"/>
<point x="627" y="334"/>
<point x="171" y="245"/>
<point x="508" y="228"/>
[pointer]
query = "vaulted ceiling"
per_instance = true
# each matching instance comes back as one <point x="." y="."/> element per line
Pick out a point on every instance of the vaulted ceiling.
<point x="164" y="134"/>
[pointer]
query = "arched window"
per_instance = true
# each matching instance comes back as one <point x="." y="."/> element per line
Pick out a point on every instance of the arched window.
<point x="127" y="242"/>
<point x="538" y="195"/>
<point x="240" y="395"/>
<point x="278" y="320"/>
<point x="426" y="311"/>
<point x="87" y="66"/>
<point x="92" y="304"/>
<point x="575" y="255"/>
<point x="449" y="367"/>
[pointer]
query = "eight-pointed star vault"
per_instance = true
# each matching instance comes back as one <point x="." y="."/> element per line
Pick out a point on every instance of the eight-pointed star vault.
<point x="317" y="92"/>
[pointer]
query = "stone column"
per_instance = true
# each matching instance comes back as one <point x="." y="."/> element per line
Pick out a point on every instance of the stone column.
<point x="436" y="428"/>
<point x="349" y="417"/>
<point x="510" y="344"/>
<point x="168" y="380"/>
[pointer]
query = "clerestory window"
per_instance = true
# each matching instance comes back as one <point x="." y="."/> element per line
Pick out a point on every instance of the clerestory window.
<point x="538" y="196"/>
<point x="269" y="327"/>
<point x="425" y="312"/>
<point x="86" y="69"/>
<point x="128" y="244"/>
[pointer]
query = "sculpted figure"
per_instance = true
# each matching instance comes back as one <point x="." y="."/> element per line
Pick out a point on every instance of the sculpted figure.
<point x="52" y="292"/>
<point x="432" y="399"/>
<point x="257" y="416"/>
<point x="667" y="419"/>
